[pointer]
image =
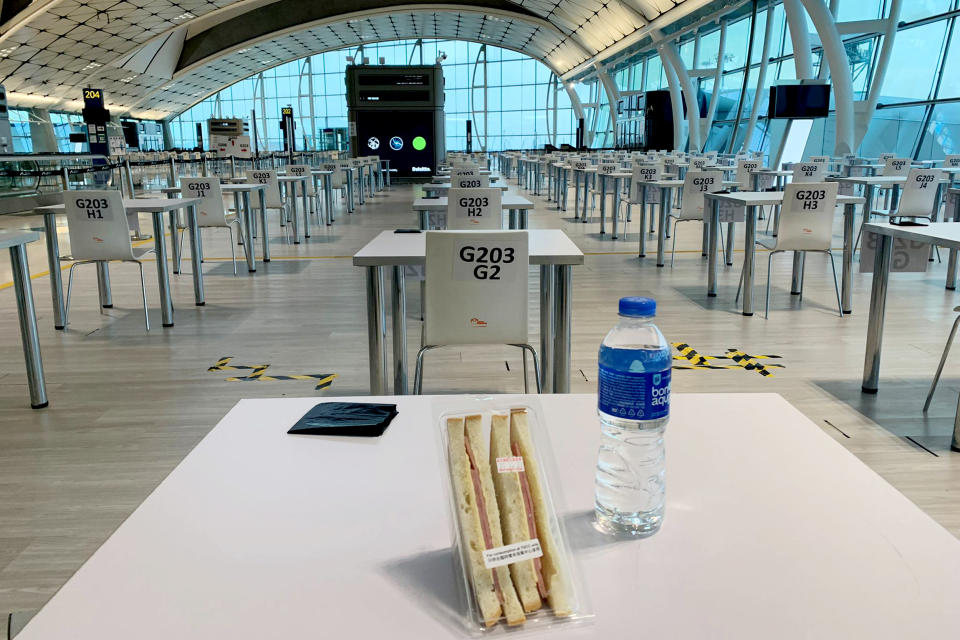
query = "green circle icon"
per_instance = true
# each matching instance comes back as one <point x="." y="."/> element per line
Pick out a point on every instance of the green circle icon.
<point x="419" y="143"/>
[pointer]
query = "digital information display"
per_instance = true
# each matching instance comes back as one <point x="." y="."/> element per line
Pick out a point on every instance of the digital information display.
<point x="403" y="137"/>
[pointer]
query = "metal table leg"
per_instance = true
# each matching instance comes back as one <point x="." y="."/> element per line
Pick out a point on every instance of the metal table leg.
<point x="616" y="207"/>
<point x="602" y="180"/>
<point x="512" y="221"/>
<point x="265" y="240"/>
<point x="586" y="196"/>
<point x="524" y="218"/>
<point x="952" y="256"/>
<point x="350" y="197"/>
<point x="643" y="221"/>
<point x="174" y="245"/>
<point x="248" y="234"/>
<point x="749" y="249"/>
<point x="399" y="314"/>
<point x="563" y="207"/>
<point x="376" y="330"/>
<point x="28" y="325"/>
<point x="103" y="280"/>
<point x="796" y="283"/>
<point x="664" y="216"/>
<point x="360" y="189"/>
<point x="546" y="327"/>
<point x="292" y="199"/>
<point x="849" y="233"/>
<point x="576" y="195"/>
<point x="328" y="196"/>
<point x="53" y="264"/>
<point x="163" y="276"/>
<point x="878" y="304"/>
<point x="563" y="307"/>
<point x="196" y="253"/>
<point x="306" y="208"/>
<point x="731" y="241"/>
<point x="713" y="230"/>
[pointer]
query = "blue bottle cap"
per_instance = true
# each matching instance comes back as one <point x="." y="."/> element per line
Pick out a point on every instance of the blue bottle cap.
<point x="638" y="307"/>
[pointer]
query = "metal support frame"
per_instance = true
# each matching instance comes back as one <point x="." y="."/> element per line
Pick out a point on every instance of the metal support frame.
<point x="746" y="78"/>
<point x="673" y="84"/>
<point x="758" y="95"/>
<point x="482" y="136"/>
<point x="717" y="78"/>
<point x="306" y="69"/>
<point x="610" y="87"/>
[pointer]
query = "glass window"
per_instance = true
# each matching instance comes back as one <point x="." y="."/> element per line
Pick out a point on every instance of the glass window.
<point x="909" y="78"/>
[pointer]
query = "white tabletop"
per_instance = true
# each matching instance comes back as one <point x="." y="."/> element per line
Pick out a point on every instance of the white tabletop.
<point x="146" y="205"/>
<point x="547" y="246"/>
<point x="243" y="186"/>
<point x="764" y="198"/>
<point x="772" y="530"/>
<point x="11" y="238"/>
<point x="291" y="178"/>
<point x="509" y="201"/>
<point x="944" y="234"/>
<point x="874" y="180"/>
<point x="444" y="186"/>
<point x="319" y="172"/>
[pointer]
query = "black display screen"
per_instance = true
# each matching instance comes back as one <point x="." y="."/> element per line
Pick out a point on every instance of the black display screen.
<point x="799" y="101"/>
<point x="403" y="137"/>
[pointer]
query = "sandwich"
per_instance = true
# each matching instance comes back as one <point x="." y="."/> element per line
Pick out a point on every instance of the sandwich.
<point x="480" y="521"/>
<point x="524" y="516"/>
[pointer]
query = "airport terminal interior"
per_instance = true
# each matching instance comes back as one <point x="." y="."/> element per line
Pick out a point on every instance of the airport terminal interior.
<point x="223" y="214"/>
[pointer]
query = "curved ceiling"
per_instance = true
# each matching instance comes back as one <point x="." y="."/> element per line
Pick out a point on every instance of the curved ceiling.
<point x="155" y="58"/>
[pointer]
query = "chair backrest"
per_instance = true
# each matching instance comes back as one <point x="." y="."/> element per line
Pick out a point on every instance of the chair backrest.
<point x="210" y="211"/>
<point x="474" y="208"/>
<point x="695" y="184"/>
<point x="743" y="176"/>
<point x="823" y="159"/>
<point x="480" y="181"/>
<point x="809" y="171"/>
<point x="698" y="163"/>
<point x="269" y="178"/>
<point x="336" y="179"/>
<point x="919" y="195"/>
<point x="951" y="162"/>
<point x="97" y="223"/>
<point x="476" y="287"/>
<point x="303" y="170"/>
<point x="895" y="167"/>
<point x="641" y="174"/>
<point x="806" y="217"/>
<point x="607" y="168"/>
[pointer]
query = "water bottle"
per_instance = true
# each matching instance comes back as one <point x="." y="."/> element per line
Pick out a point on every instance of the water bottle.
<point x="634" y="407"/>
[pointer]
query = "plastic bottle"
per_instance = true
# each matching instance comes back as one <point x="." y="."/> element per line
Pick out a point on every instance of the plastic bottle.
<point x="634" y="408"/>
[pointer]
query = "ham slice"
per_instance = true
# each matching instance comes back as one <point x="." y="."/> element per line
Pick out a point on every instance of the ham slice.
<point x="482" y="510"/>
<point x="531" y="524"/>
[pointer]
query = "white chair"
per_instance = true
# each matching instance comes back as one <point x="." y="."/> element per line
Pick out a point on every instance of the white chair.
<point x="918" y="197"/>
<point x="475" y="208"/>
<point x="312" y="196"/>
<point x="805" y="172"/>
<point x="806" y="224"/>
<point x="695" y="184"/>
<point x="743" y="176"/>
<point x="272" y="196"/>
<point x="97" y="224"/>
<point x="477" y="288"/>
<point x="211" y="212"/>
<point x="951" y="161"/>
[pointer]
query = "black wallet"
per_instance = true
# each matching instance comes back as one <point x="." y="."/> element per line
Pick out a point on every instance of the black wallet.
<point x="361" y="419"/>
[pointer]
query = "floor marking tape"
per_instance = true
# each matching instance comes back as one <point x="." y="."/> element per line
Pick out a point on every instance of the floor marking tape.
<point x="741" y="360"/>
<point x="322" y="380"/>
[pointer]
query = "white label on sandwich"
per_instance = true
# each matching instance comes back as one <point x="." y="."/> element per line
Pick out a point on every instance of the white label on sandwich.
<point x="526" y="550"/>
<point x="512" y="464"/>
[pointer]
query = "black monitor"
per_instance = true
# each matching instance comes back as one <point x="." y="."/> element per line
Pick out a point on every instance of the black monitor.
<point x="799" y="101"/>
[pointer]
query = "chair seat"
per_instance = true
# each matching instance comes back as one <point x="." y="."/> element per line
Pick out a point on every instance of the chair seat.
<point x="139" y="252"/>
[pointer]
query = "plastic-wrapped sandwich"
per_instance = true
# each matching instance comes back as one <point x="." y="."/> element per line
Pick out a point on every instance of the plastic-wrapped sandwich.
<point x="480" y="520"/>
<point x="524" y="514"/>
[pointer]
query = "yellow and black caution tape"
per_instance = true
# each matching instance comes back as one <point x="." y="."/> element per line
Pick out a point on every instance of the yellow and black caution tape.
<point x="322" y="380"/>
<point x="741" y="360"/>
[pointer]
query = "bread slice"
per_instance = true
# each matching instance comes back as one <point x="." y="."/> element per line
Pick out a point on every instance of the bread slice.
<point x="554" y="573"/>
<point x="513" y="513"/>
<point x="511" y="604"/>
<point x="470" y="530"/>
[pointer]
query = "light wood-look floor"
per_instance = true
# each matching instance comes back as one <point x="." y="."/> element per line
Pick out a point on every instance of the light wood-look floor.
<point x="127" y="406"/>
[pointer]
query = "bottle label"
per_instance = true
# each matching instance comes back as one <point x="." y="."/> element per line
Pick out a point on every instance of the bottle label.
<point x="634" y="396"/>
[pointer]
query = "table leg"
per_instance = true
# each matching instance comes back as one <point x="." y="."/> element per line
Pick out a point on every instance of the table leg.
<point x="796" y="284"/>
<point x="563" y="207"/>
<point x="602" y="179"/>
<point x="265" y="240"/>
<point x="643" y="224"/>
<point x="713" y="240"/>
<point x="512" y="219"/>
<point x="196" y="253"/>
<point x="292" y="199"/>
<point x="306" y="208"/>
<point x="849" y="233"/>
<point x="878" y="304"/>
<point x="328" y="196"/>
<point x="563" y="307"/>
<point x="350" y="197"/>
<point x="586" y="196"/>
<point x="955" y="441"/>
<point x="53" y="264"/>
<point x="28" y="325"/>
<point x="399" y="314"/>
<point x="576" y="195"/>
<point x="546" y="327"/>
<point x="749" y="249"/>
<point x="163" y="276"/>
<point x="731" y="241"/>
<point x="248" y="233"/>
<point x="524" y="218"/>
<point x="174" y="245"/>
<point x="360" y="189"/>
<point x="664" y="216"/>
<point x="376" y="330"/>
<point x="103" y="280"/>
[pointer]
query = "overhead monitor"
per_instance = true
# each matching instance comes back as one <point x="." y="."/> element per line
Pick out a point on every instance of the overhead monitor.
<point x="406" y="138"/>
<point x="799" y="101"/>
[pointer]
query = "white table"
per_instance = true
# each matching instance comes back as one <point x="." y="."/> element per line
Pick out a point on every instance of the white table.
<point x="442" y="187"/>
<point x="750" y="200"/>
<point x="511" y="203"/>
<point x="154" y="206"/>
<point x="302" y="181"/>
<point x="551" y="249"/>
<point x="327" y="177"/>
<point x="16" y="242"/>
<point x="772" y="530"/>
